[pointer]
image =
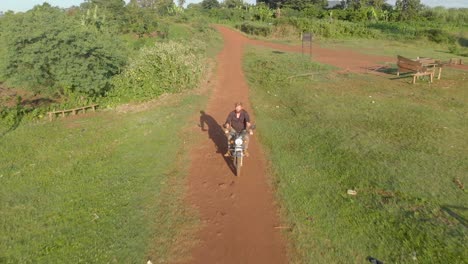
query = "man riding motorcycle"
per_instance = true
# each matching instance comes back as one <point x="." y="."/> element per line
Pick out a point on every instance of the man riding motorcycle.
<point x="237" y="121"/>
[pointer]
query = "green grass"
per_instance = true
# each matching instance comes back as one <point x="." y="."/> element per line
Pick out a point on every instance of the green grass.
<point x="179" y="32"/>
<point x="410" y="49"/>
<point x="135" y="43"/>
<point x="385" y="47"/>
<point x="105" y="188"/>
<point x="402" y="147"/>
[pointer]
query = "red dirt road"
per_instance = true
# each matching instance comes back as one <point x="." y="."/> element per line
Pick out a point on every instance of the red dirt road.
<point x="238" y="214"/>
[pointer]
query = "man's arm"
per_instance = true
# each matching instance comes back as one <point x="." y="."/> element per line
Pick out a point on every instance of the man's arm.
<point x="247" y="123"/>
<point x="248" y="128"/>
<point x="227" y="124"/>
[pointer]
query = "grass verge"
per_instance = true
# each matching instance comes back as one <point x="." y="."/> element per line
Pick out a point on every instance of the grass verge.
<point x="105" y="188"/>
<point x="410" y="49"/>
<point x="401" y="147"/>
<point x="101" y="188"/>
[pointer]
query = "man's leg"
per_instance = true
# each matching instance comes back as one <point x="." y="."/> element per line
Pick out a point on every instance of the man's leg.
<point x="229" y="136"/>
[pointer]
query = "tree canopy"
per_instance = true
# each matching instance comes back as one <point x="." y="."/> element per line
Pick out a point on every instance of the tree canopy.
<point x="294" y="4"/>
<point x="47" y="50"/>
<point x="408" y="8"/>
<point x="210" y="4"/>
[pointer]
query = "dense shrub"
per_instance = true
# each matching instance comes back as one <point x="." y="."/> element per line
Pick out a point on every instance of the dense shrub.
<point x="439" y="36"/>
<point x="397" y="31"/>
<point x="255" y="28"/>
<point x="329" y="29"/>
<point x="210" y="4"/>
<point x="165" y="68"/>
<point x="10" y="116"/>
<point x="285" y="32"/>
<point x="47" y="51"/>
<point x="229" y="14"/>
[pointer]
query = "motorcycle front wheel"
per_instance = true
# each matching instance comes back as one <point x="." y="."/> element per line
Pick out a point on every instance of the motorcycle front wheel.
<point x="238" y="165"/>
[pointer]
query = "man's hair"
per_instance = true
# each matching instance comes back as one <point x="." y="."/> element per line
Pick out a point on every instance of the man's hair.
<point x="236" y="104"/>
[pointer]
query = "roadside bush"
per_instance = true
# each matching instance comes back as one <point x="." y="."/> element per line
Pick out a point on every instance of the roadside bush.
<point x="289" y="12"/>
<point x="11" y="117"/>
<point x="261" y="12"/>
<point x="165" y="68"/>
<point x="228" y="14"/>
<point x="285" y="31"/>
<point x="396" y="30"/>
<point x="314" y="12"/>
<point x="255" y="28"/>
<point x="329" y="29"/>
<point x="454" y="49"/>
<point x="439" y="36"/>
<point x="458" y="50"/>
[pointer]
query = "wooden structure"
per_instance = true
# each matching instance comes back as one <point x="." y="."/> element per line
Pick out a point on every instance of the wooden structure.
<point x="73" y="111"/>
<point x="431" y="64"/>
<point x="307" y="37"/>
<point x="415" y="67"/>
<point x="456" y="61"/>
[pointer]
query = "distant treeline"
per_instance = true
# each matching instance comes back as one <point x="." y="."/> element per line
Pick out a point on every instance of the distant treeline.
<point x="349" y="10"/>
<point x="406" y="20"/>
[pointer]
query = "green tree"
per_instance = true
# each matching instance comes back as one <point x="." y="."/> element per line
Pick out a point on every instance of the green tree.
<point x="210" y="4"/>
<point x="140" y="20"/>
<point x="46" y="50"/>
<point x="110" y="13"/>
<point x="161" y="6"/>
<point x="408" y="9"/>
<point x="356" y="4"/>
<point x="303" y="4"/>
<point x="115" y="7"/>
<point x="233" y="3"/>
<point x="295" y="4"/>
<point x="168" y="67"/>
<point x="145" y="3"/>
<point x="377" y="4"/>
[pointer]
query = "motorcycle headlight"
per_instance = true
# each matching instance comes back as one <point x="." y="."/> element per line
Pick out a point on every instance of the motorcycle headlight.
<point x="239" y="141"/>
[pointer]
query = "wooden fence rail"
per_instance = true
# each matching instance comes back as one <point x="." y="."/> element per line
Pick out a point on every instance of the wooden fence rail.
<point x="74" y="111"/>
<point x="456" y="61"/>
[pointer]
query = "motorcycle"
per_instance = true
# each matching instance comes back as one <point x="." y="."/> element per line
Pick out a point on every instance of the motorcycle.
<point x="236" y="149"/>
